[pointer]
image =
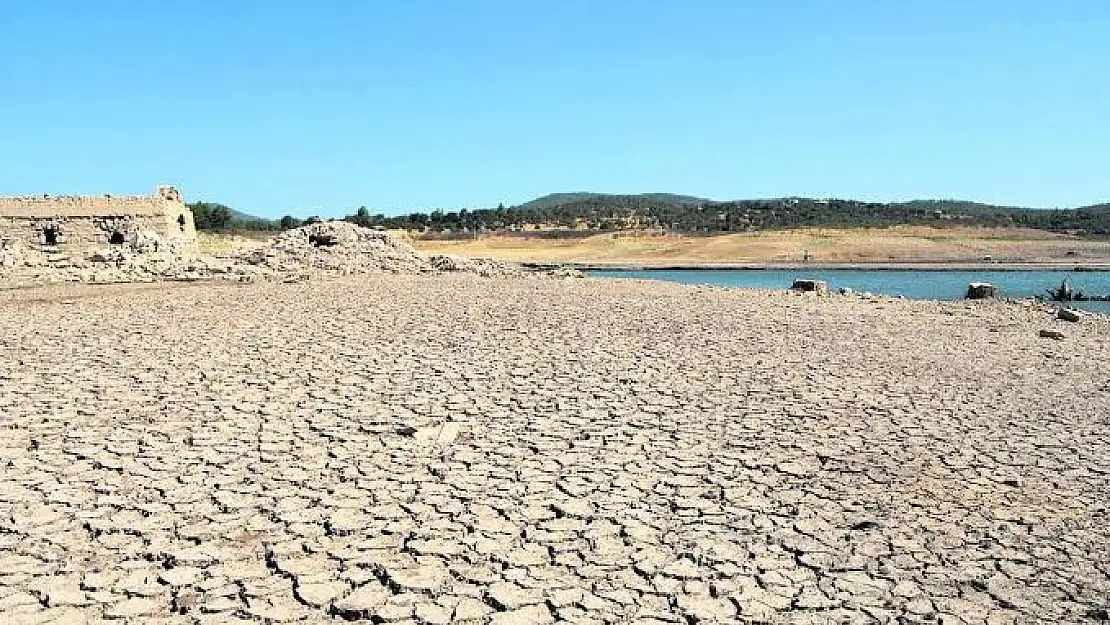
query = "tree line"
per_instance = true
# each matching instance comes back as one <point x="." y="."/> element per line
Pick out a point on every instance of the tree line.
<point x="614" y="213"/>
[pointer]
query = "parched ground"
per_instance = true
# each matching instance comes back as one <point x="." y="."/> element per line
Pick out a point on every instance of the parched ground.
<point x="453" y="449"/>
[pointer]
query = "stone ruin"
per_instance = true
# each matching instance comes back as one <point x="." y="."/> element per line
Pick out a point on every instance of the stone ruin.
<point x="46" y="244"/>
<point x="75" y="238"/>
<point x="77" y="225"/>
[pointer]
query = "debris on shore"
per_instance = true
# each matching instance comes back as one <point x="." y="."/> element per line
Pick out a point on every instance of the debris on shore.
<point x="1065" y="293"/>
<point x="336" y="246"/>
<point x="818" y="287"/>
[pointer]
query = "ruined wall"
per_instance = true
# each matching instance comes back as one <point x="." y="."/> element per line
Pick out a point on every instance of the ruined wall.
<point x="77" y="223"/>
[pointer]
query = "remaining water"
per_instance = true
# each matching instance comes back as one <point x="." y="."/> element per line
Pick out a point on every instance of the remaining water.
<point x="939" y="285"/>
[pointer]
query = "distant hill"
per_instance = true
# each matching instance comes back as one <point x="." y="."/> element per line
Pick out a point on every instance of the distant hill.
<point x="1097" y="208"/>
<point x="559" y="199"/>
<point x="586" y="211"/>
<point x="962" y="207"/>
<point x="215" y="216"/>
<point x="575" y="214"/>
<point x="950" y="206"/>
<point x="240" y="216"/>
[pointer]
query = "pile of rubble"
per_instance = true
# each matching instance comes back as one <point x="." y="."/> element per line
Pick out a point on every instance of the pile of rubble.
<point x="335" y="248"/>
<point x="480" y="266"/>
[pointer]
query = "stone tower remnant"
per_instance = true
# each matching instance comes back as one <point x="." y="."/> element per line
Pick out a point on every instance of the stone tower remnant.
<point x="78" y="224"/>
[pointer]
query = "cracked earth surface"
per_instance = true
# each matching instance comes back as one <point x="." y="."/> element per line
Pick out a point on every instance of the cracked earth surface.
<point x="460" y="450"/>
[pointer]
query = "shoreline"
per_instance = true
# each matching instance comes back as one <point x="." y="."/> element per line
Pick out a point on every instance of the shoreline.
<point x="828" y="266"/>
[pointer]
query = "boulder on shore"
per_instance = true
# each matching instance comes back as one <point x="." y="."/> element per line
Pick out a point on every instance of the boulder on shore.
<point x="1069" y="314"/>
<point x="820" y="287"/>
<point x="981" y="290"/>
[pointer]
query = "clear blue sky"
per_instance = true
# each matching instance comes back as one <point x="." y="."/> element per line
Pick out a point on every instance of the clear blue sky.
<point x="276" y="106"/>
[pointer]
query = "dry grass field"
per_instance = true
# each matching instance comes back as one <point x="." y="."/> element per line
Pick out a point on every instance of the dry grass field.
<point x="222" y="243"/>
<point x="903" y="244"/>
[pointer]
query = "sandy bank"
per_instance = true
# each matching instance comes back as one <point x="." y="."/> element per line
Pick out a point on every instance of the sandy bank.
<point x="917" y="246"/>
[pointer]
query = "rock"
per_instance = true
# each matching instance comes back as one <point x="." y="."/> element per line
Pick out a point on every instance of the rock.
<point x="820" y="287"/>
<point x="1070" y="314"/>
<point x="447" y="263"/>
<point x="1051" y="334"/>
<point x="566" y="272"/>
<point x="480" y="266"/>
<point x="981" y="290"/>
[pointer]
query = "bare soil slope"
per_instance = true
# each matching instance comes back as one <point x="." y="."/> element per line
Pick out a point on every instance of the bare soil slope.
<point x="825" y="245"/>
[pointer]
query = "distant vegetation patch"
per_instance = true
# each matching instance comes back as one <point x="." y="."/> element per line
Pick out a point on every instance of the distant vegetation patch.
<point x="594" y="212"/>
<point x="213" y="216"/>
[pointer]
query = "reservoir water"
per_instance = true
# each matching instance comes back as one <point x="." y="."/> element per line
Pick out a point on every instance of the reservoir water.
<point x="937" y="285"/>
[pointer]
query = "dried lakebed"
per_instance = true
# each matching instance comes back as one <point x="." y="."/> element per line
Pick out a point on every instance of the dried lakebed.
<point x="457" y="449"/>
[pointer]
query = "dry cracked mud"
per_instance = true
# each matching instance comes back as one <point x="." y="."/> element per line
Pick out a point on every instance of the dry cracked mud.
<point x="451" y="449"/>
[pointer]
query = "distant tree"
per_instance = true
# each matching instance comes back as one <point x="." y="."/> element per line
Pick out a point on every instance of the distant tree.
<point x="211" y="216"/>
<point x="289" y="222"/>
